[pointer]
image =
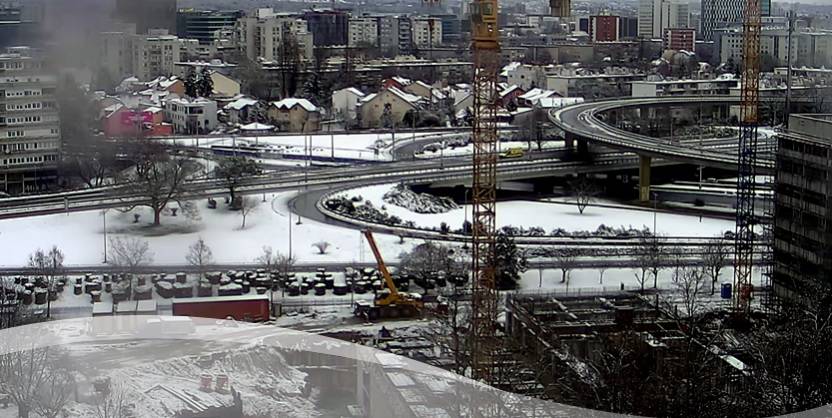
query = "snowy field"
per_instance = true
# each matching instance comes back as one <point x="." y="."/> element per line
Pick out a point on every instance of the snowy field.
<point x="81" y="235"/>
<point x="589" y="280"/>
<point x="553" y="214"/>
<point x="346" y="146"/>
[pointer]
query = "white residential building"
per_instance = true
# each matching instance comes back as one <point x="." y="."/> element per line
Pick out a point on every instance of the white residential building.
<point x="265" y="35"/>
<point x="345" y="103"/>
<point x="815" y="49"/>
<point x="363" y="31"/>
<point x="116" y="53"/>
<point x="155" y="54"/>
<point x="30" y="138"/>
<point x="188" y="117"/>
<point x="773" y="43"/>
<point x="427" y="31"/>
<point x="654" y="16"/>
<point x="720" y="86"/>
<point x="526" y="76"/>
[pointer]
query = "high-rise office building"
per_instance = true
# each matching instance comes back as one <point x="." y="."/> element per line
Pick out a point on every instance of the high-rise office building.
<point x="147" y="14"/>
<point x="30" y="137"/>
<point x="654" y="16"/>
<point x="205" y="25"/>
<point x="717" y="14"/>
<point x="560" y="8"/>
<point x="603" y="28"/>
<point x="328" y="27"/>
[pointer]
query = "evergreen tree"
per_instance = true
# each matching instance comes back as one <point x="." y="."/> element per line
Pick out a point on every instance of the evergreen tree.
<point x="205" y="86"/>
<point x="312" y="89"/>
<point x="191" y="84"/>
<point x="510" y="263"/>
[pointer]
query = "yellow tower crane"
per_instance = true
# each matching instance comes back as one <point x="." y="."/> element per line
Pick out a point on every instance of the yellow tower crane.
<point x="486" y="50"/>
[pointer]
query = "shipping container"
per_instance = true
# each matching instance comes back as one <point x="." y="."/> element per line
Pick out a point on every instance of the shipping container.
<point x="252" y="308"/>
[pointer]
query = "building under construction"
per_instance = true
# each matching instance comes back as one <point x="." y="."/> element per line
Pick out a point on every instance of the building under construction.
<point x="570" y="338"/>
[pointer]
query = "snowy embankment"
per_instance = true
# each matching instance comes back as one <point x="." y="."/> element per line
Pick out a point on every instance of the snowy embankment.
<point x="364" y="147"/>
<point x="456" y="151"/>
<point x="552" y="217"/>
<point x="81" y="235"/>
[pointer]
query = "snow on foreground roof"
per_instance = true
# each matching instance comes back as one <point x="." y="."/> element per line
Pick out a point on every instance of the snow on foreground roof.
<point x="201" y="367"/>
<point x="291" y="102"/>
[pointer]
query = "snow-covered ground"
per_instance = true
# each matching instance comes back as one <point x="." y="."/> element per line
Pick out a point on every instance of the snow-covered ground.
<point x="556" y="214"/>
<point x="589" y="280"/>
<point x="346" y="146"/>
<point x="504" y="146"/>
<point x="81" y="235"/>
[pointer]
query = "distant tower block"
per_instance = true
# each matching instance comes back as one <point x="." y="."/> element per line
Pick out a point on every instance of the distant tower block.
<point x="431" y="3"/>
<point x="560" y="8"/>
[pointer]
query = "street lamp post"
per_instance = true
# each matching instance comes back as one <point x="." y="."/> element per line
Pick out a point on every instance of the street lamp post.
<point x="104" y="216"/>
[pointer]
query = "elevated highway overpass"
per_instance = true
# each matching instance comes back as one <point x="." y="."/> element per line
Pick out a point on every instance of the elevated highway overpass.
<point x="583" y="122"/>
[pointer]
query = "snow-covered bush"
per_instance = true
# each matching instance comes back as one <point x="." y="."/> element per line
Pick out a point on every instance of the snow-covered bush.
<point x="403" y="196"/>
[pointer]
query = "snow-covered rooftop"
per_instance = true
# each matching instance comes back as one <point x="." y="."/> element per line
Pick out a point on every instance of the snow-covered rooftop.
<point x="536" y="94"/>
<point x="508" y="90"/>
<point x="509" y="67"/>
<point x="556" y="102"/>
<point x="254" y="126"/>
<point x="355" y="91"/>
<point x="401" y="80"/>
<point x="291" y="102"/>
<point x="240" y="103"/>
<point x="368" y="97"/>
<point x="410" y="98"/>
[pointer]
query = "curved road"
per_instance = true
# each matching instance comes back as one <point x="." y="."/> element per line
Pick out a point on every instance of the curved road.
<point x="582" y="121"/>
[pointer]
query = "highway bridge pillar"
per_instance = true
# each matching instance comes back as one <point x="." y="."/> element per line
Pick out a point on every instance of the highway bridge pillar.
<point x="583" y="147"/>
<point x="644" y="178"/>
<point x="569" y="141"/>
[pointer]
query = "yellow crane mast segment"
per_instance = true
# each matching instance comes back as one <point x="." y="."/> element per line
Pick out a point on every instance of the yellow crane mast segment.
<point x="486" y="51"/>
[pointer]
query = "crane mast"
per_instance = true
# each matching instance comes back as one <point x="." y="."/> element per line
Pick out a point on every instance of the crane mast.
<point x="747" y="156"/>
<point x="486" y="51"/>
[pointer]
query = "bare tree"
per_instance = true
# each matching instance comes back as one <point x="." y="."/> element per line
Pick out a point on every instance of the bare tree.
<point x="601" y="271"/>
<point x="36" y="381"/>
<point x="566" y="259"/>
<point x="321" y="246"/>
<point x="48" y="265"/>
<point x="271" y="261"/>
<point x="114" y="402"/>
<point x="584" y="192"/>
<point x="130" y="254"/>
<point x="715" y="258"/>
<point x="158" y="179"/>
<point x="690" y="284"/>
<point x="654" y="251"/>
<point x="248" y="204"/>
<point x="641" y="255"/>
<point x="200" y="255"/>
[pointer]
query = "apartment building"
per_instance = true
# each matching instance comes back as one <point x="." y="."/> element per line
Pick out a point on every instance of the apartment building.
<point x="30" y="138"/>
<point x="265" y="34"/>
